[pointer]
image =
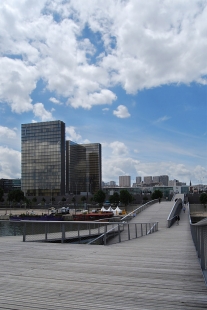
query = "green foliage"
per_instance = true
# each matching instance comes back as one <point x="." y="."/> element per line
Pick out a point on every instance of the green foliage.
<point x="114" y="198"/>
<point x="145" y="198"/>
<point x="43" y="199"/>
<point x="27" y="201"/>
<point x="16" y="195"/>
<point x="157" y="194"/>
<point x="83" y="198"/>
<point x="99" y="196"/>
<point x="1" y="193"/>
<point x="34" y="199"/>
<point x="203" y="199"/>
<point x="125" y="197"/>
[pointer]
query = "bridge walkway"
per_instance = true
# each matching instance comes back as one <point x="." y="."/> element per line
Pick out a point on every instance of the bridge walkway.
<point x="159" y="271"/>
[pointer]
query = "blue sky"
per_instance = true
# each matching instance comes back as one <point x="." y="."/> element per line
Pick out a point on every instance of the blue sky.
<point x="131" y="75"/>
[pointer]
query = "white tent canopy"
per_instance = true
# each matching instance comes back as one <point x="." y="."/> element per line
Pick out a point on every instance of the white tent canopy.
<point x="118" y="209"/>
<point x="103" y="209"/>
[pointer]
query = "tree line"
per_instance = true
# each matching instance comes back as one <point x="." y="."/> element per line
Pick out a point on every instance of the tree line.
<point x="99" y="197"/>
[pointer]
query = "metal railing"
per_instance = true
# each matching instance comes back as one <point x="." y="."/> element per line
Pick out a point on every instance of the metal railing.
<point x="87" y="232"/>
<point x="176" y="209"/>
<point x="199" y="236"/>
<point x="64" y="231"/>
<point x="125" y="232"/>
<point x="130" y="215"/>
<point x="117" y="230"/>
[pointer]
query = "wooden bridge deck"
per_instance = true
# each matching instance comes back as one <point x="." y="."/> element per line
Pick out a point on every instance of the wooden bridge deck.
<point x="159" y="271"/>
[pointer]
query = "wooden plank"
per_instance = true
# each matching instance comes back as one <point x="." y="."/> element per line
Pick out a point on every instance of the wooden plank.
<point x="159" y="271"/>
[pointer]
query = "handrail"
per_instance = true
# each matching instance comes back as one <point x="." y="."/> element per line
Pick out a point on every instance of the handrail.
<point x="140" y="209"/>
<point x="199" y="236"/>
<point x="174" y="211"/>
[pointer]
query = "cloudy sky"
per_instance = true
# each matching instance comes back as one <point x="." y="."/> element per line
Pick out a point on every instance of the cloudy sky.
<point x="129" y="74"/>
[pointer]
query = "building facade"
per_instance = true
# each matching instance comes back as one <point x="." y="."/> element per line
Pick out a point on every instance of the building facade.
<point x="138" y="180"/>
<point x="43" y="158"/>
<point x="148" y="179"/>
<point x="93" y="167"/>
<point x="164" y="179"/>
<point x="76" y="167"/>
<point x="125" y="181"/>
<point x="10" y="184"/>
<point x="156" y="179"/>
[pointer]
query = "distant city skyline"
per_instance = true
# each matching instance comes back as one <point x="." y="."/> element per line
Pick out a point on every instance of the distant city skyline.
<point x="117" y="74"/>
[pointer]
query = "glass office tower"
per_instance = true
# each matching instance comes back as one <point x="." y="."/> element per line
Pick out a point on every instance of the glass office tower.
<point x="75" y="168"/>
<point x="43" y="158"/>
<point x="94" y="167"/>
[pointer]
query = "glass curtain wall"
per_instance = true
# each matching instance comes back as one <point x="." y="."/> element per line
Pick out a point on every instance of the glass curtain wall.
<point x="94" y="167"/>
<point x="75" y="168"/>
<point x="43" y="158"/>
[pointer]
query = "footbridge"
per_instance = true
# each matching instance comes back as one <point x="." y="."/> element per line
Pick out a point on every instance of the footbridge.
<point x="160" y="270"/>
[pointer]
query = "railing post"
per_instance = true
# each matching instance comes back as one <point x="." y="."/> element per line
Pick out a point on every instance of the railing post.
<point x="79" y="232"/>
<point x="119" y="233"/>
<point x="141" y="231"/>
<point x="136" y="230"/>
<point x="105" y="231"/>
<point x="128" y="232"/>
<point x="46" y="231"/>
<point x="89" y="229"/>
<point x="63" y="233"/>
<point x="24" y="232"/>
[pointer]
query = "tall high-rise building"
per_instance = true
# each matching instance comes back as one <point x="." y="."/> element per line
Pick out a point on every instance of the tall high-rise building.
<point x="93" y="167"/>
<point x="76" y="168"/>
<point x="156" y="179"/>
<point x="138" y="180"/>
<point x="148" y="179"/>
<point x="52" y="166"/>
<point x="164" y="179"/>
<point x="43" y="158"/>
<point x="125" y="181"/>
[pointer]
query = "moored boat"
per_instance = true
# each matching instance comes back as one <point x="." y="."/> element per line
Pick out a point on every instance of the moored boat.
<point x="92" y="216"/>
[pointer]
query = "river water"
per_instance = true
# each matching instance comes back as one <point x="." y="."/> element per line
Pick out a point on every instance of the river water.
<point x="8" y="228"/>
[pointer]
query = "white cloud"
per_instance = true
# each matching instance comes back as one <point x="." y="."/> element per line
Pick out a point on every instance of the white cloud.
<point x="113" y="167"/>
<point x="56" y="101"/>
<point x="136" y="151"/>
<point x="87" y="101"/>
<point x="118" y="148"/>
<point x="121" y="112"/>
<point x="40" y="112"/>
<point x="162" y="119"/>
<point x="7" y="133"/>
<point x="141" y="49"/>
<point x="10" y="163"/>
<point x="17" y="80"/>
<point x="72" y="134"/>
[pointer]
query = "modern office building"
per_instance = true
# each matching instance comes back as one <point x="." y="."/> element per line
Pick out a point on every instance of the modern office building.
<point x="76" y="167"/>
<point x="164" y="179"/>
<point x="93" y="167"/>
<point x="10" y="184"/>
<point x="156" y="179"/>
<point x="43" y="158"/>
<point x="138" y="180"/>
<point x="125" y="181"/>
<point x="148" y="179"/>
